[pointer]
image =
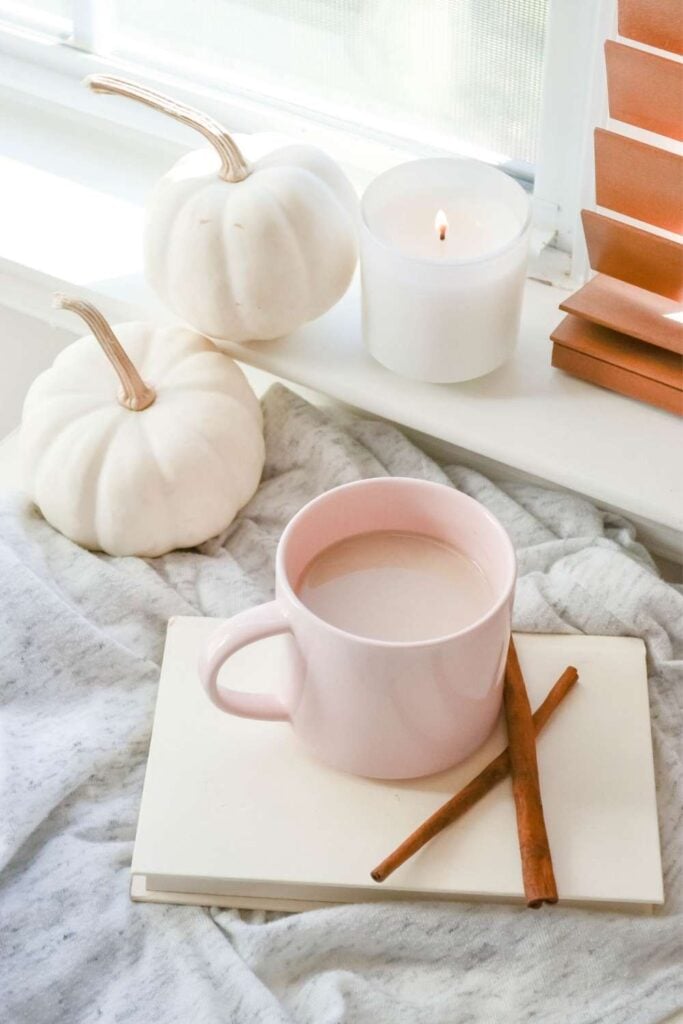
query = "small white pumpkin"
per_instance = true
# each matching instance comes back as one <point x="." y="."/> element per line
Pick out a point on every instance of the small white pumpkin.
<point x="164" y="463"/>
<point x="245" y="252"/>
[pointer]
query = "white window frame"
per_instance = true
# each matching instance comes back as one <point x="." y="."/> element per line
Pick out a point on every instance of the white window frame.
<point x="574" y="101"/>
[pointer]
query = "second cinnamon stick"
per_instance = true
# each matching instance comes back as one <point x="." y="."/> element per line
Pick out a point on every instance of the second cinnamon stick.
<point x="537" y="864"/>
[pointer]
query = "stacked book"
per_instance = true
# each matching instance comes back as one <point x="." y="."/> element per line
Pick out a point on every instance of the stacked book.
<point x="624" y="329"/>
<point x="236" y="813"/>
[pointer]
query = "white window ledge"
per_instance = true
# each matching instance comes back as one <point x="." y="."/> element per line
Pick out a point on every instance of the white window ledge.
<point x="71" y="207"/>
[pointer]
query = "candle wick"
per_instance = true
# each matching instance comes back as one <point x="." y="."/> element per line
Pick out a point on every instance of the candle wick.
<point x="442" y="233"/>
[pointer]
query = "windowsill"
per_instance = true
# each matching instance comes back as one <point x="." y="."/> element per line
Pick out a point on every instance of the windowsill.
<point x="71" y="207"/>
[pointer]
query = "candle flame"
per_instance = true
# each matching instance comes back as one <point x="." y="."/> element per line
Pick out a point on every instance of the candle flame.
<point x="441" y="225"/>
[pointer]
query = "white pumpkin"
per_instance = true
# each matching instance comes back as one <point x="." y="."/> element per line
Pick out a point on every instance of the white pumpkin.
<point x="245" y="252"/>
<point x="164" y="463"/>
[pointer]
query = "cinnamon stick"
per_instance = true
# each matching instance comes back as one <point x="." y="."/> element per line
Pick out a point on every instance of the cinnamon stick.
<point x="537" y="864"/>
<point x="473" y="792"/>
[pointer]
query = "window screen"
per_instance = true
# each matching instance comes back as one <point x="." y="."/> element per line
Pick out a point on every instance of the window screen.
<point x="462" y="74"/>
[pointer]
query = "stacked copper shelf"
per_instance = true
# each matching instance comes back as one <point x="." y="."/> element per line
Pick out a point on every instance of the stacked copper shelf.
<point x="624" y="329"/>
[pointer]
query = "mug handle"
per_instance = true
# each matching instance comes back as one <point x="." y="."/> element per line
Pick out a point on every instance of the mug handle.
<point x="244" y="628"/>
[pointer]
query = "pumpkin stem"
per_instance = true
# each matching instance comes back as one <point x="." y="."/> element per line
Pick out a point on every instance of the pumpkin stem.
<point x="136" y="394"/>
<point x="234" y="167"/>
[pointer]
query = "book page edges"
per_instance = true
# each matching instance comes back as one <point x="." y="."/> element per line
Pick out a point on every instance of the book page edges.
<point x="141" y="892"/>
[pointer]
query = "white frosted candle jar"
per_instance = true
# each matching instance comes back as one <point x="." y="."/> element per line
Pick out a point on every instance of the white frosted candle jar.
<point x="443" y="260"/>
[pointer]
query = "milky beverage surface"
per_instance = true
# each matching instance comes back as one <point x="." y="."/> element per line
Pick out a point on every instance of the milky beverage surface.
<point x="388" y="585"/>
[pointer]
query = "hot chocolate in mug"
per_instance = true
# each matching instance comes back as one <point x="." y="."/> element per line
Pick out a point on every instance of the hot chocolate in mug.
<point x="383" y="706"/>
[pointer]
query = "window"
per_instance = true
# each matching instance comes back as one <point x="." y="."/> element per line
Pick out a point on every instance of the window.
<point x="464" y="75"/>
<point x="519" y="83"/>
<point x="51" y="16"/>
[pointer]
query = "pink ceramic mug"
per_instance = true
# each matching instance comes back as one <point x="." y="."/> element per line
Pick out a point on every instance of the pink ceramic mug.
<point x="372" y="707"/>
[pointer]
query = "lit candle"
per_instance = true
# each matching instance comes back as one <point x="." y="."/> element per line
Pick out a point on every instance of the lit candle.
<point x="443" y="259"/>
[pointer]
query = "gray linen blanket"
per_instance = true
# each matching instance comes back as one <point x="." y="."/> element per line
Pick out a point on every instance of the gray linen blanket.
<point x="80" y="650"/>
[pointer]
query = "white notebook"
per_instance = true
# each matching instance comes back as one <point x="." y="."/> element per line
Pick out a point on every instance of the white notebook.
<point x="235" y="812"/>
